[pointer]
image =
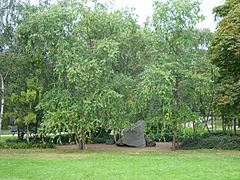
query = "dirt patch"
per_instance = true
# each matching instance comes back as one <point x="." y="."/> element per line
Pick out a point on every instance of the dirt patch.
<point x="159" y="147"/>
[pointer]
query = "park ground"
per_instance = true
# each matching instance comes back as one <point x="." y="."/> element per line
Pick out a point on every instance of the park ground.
<point x="111" y="162"/>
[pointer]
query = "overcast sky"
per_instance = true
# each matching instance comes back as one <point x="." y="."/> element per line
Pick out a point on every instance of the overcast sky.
<point x="144" y="9"/>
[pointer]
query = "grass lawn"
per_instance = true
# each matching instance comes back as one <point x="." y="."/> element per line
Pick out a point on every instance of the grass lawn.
<point x="6" y="131"/>
<point x="69" y="164"/>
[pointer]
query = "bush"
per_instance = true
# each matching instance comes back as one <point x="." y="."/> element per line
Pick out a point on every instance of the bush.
<point x="212" y="142"/>
<point x="187" y="132"/>
<point x="24" y="145"/>
<point x="99" y="135"/>
<point x="161" y="137"/>
<point x="58" y="139"/>
<point x="64" y="139"/>
<point x="99" y="140"/>
<point x="14" y="140"/>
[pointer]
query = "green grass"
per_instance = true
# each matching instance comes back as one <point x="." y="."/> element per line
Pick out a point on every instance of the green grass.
<point x="59" y="164"/>
<point x="5" y="131"/>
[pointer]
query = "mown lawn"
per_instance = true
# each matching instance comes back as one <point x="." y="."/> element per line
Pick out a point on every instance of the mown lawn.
<point x="59" y="164"/>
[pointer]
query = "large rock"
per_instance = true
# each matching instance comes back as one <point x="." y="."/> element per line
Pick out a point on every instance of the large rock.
<point x="109" y="142"/>
<point x="149" y="142"/>
<point x="134" y="136"/>
<point x="120" y="142"/>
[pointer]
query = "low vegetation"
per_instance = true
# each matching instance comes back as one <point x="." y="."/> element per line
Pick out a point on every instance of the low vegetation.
<point x="15" y="143"/>
<point x="212" y="142"/>
<point x="24" y="145"/>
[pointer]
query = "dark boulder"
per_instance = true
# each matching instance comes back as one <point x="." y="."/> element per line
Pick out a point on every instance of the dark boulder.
<point x="134" y="136"/>
<point x="109" y="142"/>
<point x="120" y="142"/>
<point x="149" y="142"/>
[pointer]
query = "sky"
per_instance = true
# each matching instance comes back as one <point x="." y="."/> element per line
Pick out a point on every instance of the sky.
<point x="144" y="9"/>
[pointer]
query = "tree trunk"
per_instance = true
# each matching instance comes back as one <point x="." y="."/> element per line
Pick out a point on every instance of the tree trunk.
<point x="27" y="133"/>
<point x="81" y="140"/>
<point x="212" y="123"/>
<point x="2" y="102"/>
<point x="20" y="133"/>
<point x="223" y="125"/>
<point x="206" y="124"/>
<point x="177" y="99"/>
<point x="114" y="135"/>
<point x="194" y="128"/>
<point x="175" y="144"/>
<point x="208" y="115"/>
<point x="36" y="126"/>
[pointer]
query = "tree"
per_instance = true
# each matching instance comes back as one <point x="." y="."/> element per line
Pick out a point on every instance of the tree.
<point x="225" y="47"/>
<point x="169" y="89"/>
<point x="11" y="13"/>
<point x="80" y="45"/>
<point x="224" y="51"/>
<point x="98" y="68"/>
<point x="25" y="102"/>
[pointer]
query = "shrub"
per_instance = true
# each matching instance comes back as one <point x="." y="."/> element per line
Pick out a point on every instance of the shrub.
<point x="57" y="139"/>
<point x="187" y="132"/>
<point x="99" y="140"/>
<point x="212" y="142"/>
<point x="24" y="145"/>
<point x="159" y="135"/>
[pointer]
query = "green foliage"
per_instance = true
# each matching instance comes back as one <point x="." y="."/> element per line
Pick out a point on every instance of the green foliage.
<point x="34" y="142"/>
<point x="61" y="139"/>
<point x="225" y="9"/>
<point x="172" y="91"/>
<point x="16" y="68"/>
<point x="24" y="145"/>
<point x="89" y="67"/>
<point x="10" y="17"/>
<point x="83" y="97"/>
<point x="155" y="88"/>
<point x="224" y="53"/>
<point x="159" y="132"/>
<point x="212" y="142"/>
<point x="188" y="132"/>
<point x="25" y="102"/>
<point x="224" y="47"/>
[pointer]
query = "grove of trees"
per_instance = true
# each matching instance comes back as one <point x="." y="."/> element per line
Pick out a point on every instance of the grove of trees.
<point x="74" y="66"/>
